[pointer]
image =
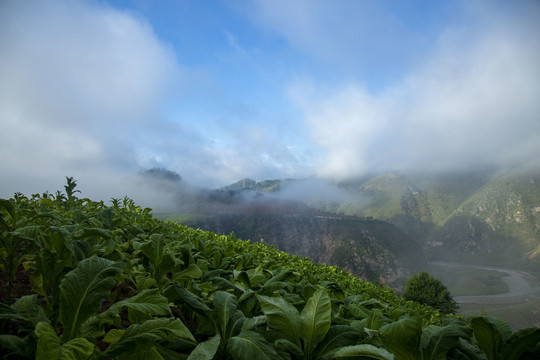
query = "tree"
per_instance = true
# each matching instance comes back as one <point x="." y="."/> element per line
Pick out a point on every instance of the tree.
<point x="425" y="289"/>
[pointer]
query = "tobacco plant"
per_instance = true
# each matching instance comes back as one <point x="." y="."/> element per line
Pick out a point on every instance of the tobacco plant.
<point x="113" y="282"/>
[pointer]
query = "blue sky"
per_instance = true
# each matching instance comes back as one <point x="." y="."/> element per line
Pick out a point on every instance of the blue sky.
<point x="222" y="90"/>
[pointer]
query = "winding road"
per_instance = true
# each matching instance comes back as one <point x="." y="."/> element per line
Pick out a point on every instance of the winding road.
<point x="522" y="286"/>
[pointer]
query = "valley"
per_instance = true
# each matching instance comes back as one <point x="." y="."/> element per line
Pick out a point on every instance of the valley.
<point x="520" y="286"/>
<point x="517" y="303"/>
<point x="385" y="228"/>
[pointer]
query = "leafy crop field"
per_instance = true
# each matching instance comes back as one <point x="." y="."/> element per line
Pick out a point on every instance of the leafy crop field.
<point x="84" y="280"/>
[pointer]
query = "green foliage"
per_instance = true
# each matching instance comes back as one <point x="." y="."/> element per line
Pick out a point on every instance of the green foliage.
<point x="425" y="289"/>
<point x="49" y="346"/>
<point x="114" y="282"/>
<point x="496" y="340"/>
<point x="82" y="290"/>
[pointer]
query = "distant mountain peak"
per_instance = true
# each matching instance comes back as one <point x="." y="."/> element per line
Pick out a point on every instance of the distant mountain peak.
<point x="250" y="184"/>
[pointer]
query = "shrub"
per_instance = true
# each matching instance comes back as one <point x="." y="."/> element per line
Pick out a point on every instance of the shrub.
<point x="425" y="289"/>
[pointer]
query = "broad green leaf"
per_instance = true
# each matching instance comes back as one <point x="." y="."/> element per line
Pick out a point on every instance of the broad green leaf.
<point x="77" y="349"/>
<point x="7" y="205"/>
<point x="363" y="352"/>
<point x="141" y="307"/>
<point x="234" y="325"/>
<point x="154" y="249"/>
<point x="210" y="275"/>
<point x="27" y="307"/>
<point x="252" y="323"/>
<point x="224" y="284"/>
<point x="521" y="342"/>
<point x="176" y="293"/>
<point x="151" y="331"/>
<point x="248" y="301"/>
<point x="145" y="305"/>
<point x="142" y="352"/>
<point x="3" y="223"/>
<point x="278" y="281"/>
<point x="490" y="334"/>
<point x="17" y="346"/>
<point x="402" y="337"/>
<point x="82" y="290"/>
<point x="206" y="350"/>
<point x="192" y="272"/>
<point x="338" y="336"/>
<point x="49" y="346"/>
<point x="256" y="276"/>
<point x="7" y="312"/>
<point x="443" y="339"/>
<point x="315" y="320"/>
<point x="216" y="258"/>
<point x="465" y="351"/>
<point x="251" y="345"/>
<point x="242" y="277"/>
<point x="51" y="271"/>
<point x="374" y="320"/>
<point x="90" y="232"/>
<point x="287" y="347"/>
<point x="113" y="335"/>
<point x="361" y="309"/>
<point x="225" y="305"/>
<point x="144" y="281"/>
<point x="358" y="311"/>
<point x="282" y="317"/>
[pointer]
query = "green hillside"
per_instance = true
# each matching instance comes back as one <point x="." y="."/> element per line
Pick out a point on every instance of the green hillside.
<point x="473" y="216"/>
<point x="83" y="280"/>
<point x="510" y="205"/>
<point x="374" y="250"/>
<point x="250" y="184"/>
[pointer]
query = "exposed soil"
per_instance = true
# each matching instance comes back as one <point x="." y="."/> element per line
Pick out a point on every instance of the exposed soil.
<point x="21" y="285"/>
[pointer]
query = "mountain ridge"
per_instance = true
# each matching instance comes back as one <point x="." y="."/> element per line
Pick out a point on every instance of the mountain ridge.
<point x="477" y="217"/>
<point x="498" y="207"/>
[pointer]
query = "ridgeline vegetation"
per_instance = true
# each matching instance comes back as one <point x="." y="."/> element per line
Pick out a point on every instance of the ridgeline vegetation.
<point x="84" y="280"/>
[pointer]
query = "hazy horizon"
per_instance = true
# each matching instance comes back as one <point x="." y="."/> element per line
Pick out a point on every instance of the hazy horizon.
<point x="100" y="90"/>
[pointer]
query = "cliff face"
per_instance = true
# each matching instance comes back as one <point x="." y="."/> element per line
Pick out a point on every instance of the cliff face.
<point x="370" y="249"/>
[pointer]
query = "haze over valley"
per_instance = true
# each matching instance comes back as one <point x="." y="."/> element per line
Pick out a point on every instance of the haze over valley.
<point x="383" y="137"/>
<point x="385" y="228"/>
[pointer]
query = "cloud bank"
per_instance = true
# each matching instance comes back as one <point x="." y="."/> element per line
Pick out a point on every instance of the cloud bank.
<point x="91" y="91"/>
<point x="293" y="89"/>
<point x="77" y="81"/>
<point x="473" y="101"/>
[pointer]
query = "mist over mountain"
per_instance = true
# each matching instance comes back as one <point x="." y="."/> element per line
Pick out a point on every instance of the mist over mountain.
<point x="382" y="228"/>
<point x="475" y="216"/>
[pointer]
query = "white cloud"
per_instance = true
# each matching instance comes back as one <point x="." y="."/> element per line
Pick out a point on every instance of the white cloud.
<point x="474" y="100"/>
<point x="87" y="91"/>
<point x="80" y="84"/>
<point x="359" y="39"/>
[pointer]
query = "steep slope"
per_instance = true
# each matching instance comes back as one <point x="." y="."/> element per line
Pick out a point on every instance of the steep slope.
<point x="371" y="249"/>
<point x="510" y="205"/>
<point x="477" y="216"/>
